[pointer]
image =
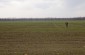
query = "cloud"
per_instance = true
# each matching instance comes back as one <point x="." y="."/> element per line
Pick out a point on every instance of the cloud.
<point x="42" y="8"/>
<point x="31" y="3"/>
<point x="74" y="3"/>
<point x="77" y="7"/>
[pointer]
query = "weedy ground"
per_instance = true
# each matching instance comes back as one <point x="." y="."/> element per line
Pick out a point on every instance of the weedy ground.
<point x="42" y="38"/>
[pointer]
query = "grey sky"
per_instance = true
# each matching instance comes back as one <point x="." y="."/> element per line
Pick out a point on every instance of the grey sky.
<point x="42" y="8"/>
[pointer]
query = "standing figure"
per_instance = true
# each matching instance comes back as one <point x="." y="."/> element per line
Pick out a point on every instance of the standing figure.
<point x="66" y="23"/>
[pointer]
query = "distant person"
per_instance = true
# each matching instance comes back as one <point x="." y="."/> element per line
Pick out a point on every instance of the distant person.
<point x="66" y="23"/>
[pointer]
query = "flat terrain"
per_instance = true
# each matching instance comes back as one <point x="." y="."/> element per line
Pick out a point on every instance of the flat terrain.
<point x="42" y="38"/>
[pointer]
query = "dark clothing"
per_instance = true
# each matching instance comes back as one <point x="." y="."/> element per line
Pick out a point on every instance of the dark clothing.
<point x="66" y="23"/>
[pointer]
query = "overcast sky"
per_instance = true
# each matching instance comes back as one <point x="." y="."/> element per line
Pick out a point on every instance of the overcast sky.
<point x="41" y="8"/>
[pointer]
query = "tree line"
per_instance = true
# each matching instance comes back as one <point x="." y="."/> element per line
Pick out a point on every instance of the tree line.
<point x="40" y="19"/>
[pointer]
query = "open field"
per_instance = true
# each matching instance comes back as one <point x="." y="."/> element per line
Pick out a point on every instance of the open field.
<point x="42" y="38"/>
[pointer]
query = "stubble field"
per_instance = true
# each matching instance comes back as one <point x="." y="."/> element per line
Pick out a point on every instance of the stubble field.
<point x="42" y="38"/>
